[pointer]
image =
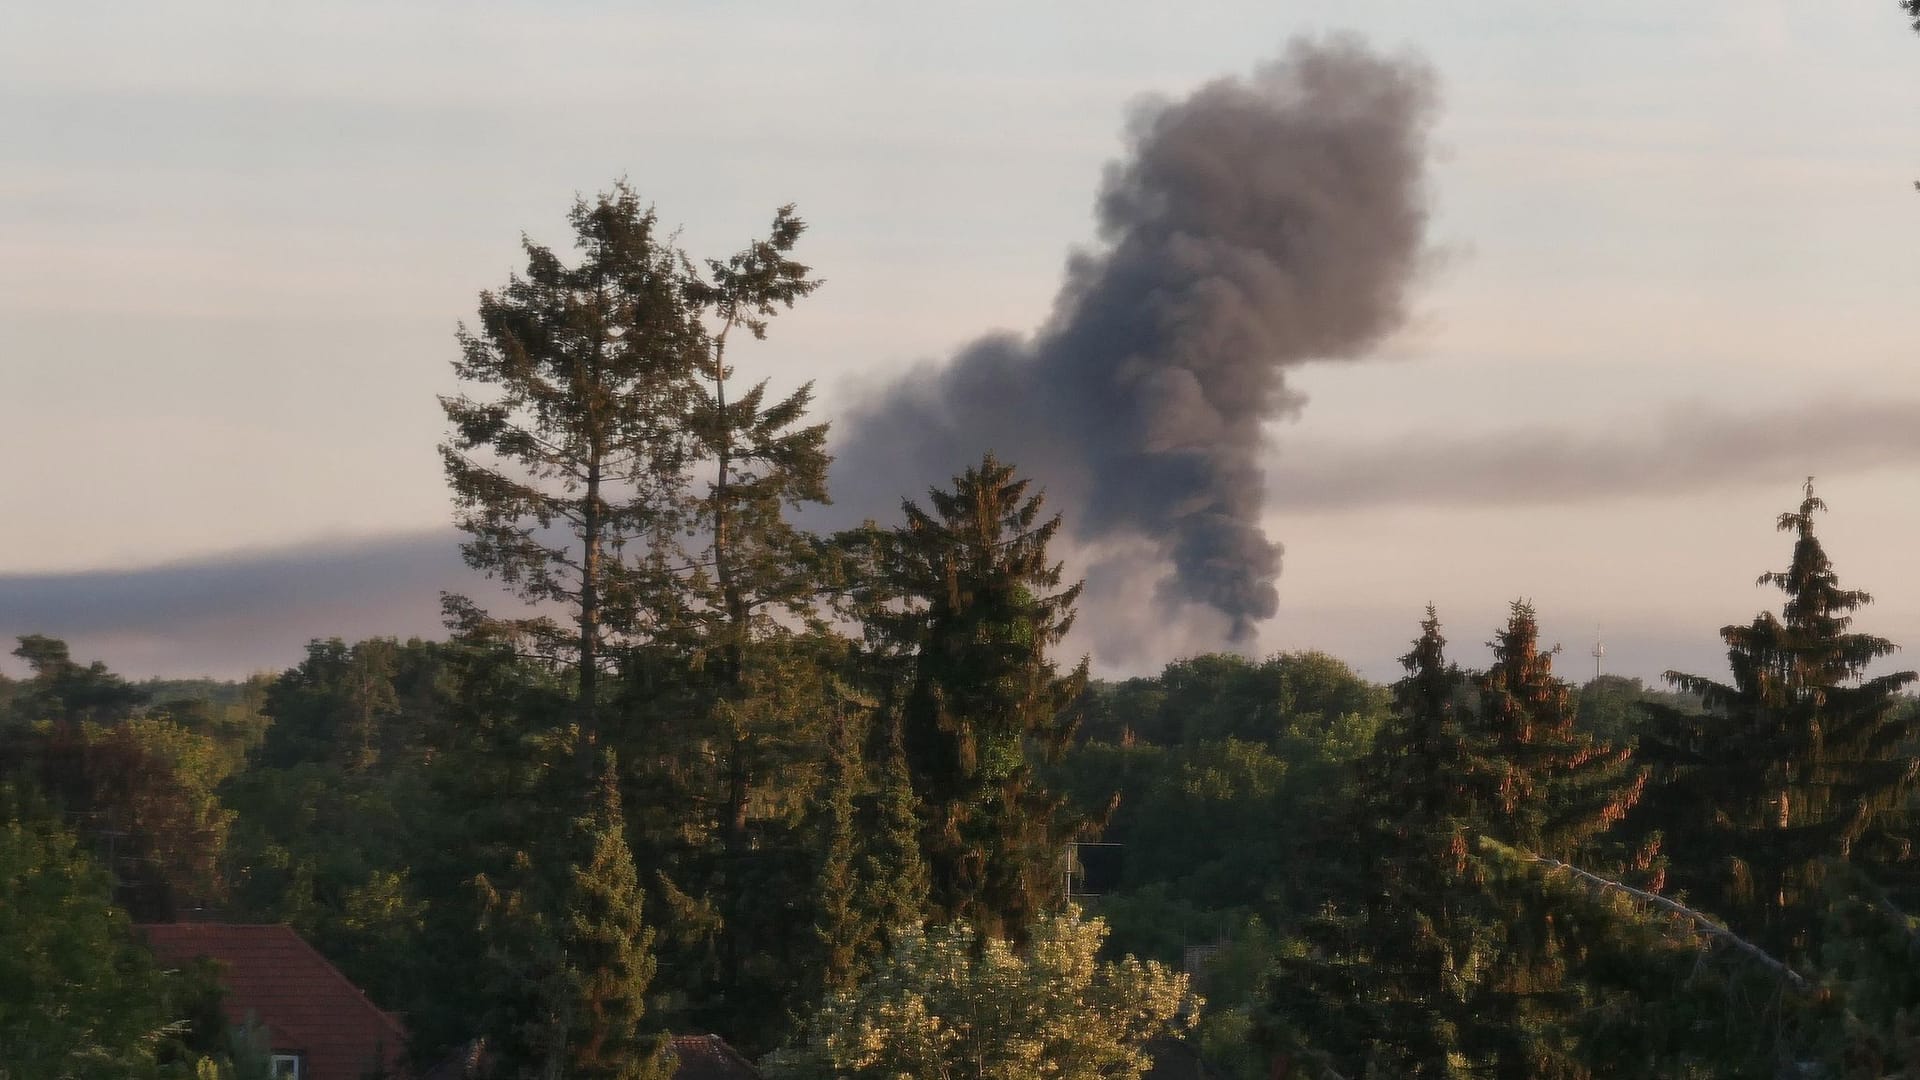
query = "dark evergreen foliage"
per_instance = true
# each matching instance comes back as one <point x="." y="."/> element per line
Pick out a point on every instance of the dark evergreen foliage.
<point x="607" y="950"/>
<point x="981" y="606"/>
<point x="1556" y="792"/>
<point x="1389" y="985"/>
<point x="745" y="622"/>
<point x="619" y="472"/>
<point x="569" y="475"/>
<point x="872" y="882"/>
<point x="1447" y="963"/>
<point x="569" y="955"/>
<point x="1801" y="761"/>
<point x="1558" y="788"/>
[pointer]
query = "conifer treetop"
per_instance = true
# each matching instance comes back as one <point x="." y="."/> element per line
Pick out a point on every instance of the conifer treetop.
<point x="1808" y="650"/>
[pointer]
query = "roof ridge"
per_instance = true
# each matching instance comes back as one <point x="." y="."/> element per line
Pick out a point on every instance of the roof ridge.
<point x="716" y="1050"/>
<point x="392" y="1023"/>
<point x="385" y="1016"/>
<point x="728" y="1047"/>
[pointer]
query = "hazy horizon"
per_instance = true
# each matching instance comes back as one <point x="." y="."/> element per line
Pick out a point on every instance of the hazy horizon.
<point x="1669" y="277"/>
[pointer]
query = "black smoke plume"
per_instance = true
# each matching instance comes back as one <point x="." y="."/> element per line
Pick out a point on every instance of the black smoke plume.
<point x="1256" y="225"/>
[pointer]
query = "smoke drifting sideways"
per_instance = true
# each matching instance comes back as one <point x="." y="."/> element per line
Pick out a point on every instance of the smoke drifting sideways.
<point x="1256" y="225"/>
<point x="232" y="613"/>
<point x="1684" y="448"/>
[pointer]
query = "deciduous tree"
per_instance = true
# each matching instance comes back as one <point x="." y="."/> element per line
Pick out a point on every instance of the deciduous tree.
<point x="64" y="690"/>
<point x="79" y="998"/>
<point x="946" y="1004"/>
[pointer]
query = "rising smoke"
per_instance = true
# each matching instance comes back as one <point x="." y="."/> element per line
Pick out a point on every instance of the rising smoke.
<point x="1256" y="225"/>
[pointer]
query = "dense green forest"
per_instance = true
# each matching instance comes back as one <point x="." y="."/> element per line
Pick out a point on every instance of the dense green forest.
<point x="821" y="793"/>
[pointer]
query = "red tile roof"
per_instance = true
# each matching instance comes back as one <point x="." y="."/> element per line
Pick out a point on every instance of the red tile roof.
<point x="708" y="1057"/>
<point x="306" y="1004"/>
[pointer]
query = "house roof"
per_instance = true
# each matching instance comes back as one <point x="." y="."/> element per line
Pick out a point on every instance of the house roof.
<point x="271" y="973"/>
<point x="708" y="1057"/>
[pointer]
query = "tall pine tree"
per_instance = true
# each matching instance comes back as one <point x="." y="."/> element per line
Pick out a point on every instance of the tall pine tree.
<point x="568" y="469"/>
<point x="749" y="596"/>
<point x="609" y="465"/>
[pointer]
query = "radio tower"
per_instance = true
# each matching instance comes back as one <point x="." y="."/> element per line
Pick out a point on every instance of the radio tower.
<point x="1599" y="651"/>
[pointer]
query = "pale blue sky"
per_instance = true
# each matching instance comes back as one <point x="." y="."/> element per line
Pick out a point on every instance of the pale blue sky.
<point x="238" y="238"/>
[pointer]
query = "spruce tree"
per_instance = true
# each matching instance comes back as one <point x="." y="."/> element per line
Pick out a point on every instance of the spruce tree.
<point x="1556" y="791"/>
<point x="841" y="934"/>
<point x="1652" y="988"/>
<point x="980" y="607"/>
<point x="731" y="915"/>
<point x="1798" y="763"/>
<point x="871" y="885"/>
<point x="893" y="873"/>
<point x="498" y="789"/>
<point x="607" y="947"/>
<point x="1390" y="986"/>
<point x="1559" y="789"/>
<point x="570" y="955"/>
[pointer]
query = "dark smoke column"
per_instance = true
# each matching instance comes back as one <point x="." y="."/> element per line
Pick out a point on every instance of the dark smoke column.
<point x="1258" y="224"/>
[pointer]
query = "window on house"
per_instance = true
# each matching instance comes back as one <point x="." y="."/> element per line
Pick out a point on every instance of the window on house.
<point x="287" y="1067"/>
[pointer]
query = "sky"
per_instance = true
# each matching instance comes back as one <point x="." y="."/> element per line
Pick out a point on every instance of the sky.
<point x="1670" y="275"/>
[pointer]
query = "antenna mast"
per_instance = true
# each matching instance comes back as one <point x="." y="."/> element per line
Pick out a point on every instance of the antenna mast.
<point x="1599" y="650"/>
